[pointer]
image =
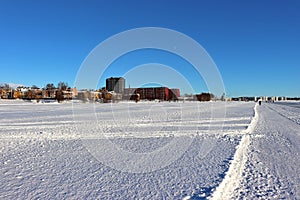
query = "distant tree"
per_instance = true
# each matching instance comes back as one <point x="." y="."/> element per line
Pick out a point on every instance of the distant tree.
<point x="5" y="86"/>
<point x="50" y="86"/>
<point x="223" y="97"/>
<point x="62" y="86"/>
<point x="34" y="87"/>
<point x="213" y="97"/>
<point x="59" y="96"/>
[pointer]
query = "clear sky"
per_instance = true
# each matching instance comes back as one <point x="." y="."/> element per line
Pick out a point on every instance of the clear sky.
<point x="255" y="44"/>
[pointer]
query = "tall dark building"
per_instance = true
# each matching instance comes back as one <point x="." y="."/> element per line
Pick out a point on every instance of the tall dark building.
<point x="116" y="84"/>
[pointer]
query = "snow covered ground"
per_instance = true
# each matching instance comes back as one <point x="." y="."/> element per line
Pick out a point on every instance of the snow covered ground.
<point x="149" y="150"/>
<point x="272" y="169"/>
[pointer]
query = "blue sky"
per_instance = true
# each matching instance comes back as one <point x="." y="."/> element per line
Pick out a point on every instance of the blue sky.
<point x="255" y="44"/>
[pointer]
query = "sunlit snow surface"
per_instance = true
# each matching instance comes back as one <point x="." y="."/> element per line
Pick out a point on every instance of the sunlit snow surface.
<point x="45" y="153"/>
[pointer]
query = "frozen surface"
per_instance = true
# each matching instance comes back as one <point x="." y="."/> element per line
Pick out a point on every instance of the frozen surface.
<point x="272" y="169"/>
<point x="44" y="150"/>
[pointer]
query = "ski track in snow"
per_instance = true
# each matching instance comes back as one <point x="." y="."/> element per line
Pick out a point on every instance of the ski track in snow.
<point x="234" y="174"/>
<point x="42" y="155"/>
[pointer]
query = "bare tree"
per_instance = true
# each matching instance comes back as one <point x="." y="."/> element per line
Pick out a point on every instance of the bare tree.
<point x="62" y="86"/>
<point x="60" y="96"/>
<point x="5" y="86"/>
<point x="223" y="97"/>
<point x="50" y="86"/>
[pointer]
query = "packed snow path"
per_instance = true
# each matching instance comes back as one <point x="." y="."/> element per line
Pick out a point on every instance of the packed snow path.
<point x="272" y="170"/>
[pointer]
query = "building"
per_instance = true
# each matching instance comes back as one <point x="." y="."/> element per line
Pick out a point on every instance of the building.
<point x="128" y="92"/>
<point x="174" y="93"/>
<point x="204" y="97"/>
<point x="152" y="93"/>
<point x="116" y="84"/>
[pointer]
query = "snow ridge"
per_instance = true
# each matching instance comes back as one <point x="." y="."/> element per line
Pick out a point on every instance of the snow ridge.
<point x="234" y="174"/>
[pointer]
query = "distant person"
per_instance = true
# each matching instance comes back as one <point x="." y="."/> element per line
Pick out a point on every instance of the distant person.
<point x="259" y="102"/>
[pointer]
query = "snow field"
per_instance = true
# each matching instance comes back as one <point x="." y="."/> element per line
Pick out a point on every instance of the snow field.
<point x="43" y="154"/>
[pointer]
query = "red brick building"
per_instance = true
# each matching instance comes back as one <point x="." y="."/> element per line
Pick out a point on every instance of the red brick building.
<point x="152" y="93"/>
